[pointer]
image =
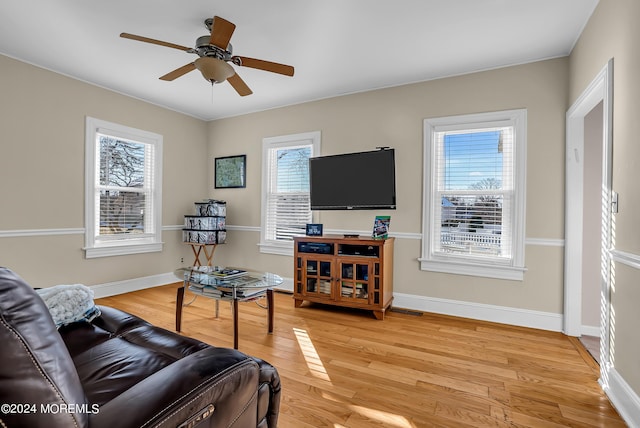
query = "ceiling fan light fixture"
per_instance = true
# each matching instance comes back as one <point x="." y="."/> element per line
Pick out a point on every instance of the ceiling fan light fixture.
<point x="213" y="69"/>
<point x="215" y="57"/>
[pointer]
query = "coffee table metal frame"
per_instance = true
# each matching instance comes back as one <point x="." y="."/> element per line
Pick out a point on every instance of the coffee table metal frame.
<point x="249" y="287"/>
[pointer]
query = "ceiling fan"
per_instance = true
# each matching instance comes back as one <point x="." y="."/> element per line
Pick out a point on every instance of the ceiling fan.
<point x="215" y="52"/>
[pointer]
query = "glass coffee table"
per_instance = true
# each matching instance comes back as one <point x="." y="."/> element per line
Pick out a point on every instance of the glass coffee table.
<point x="227" y="284"/>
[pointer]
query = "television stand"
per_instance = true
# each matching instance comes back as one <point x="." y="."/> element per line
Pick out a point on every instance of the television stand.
<point x="340" y="271"/>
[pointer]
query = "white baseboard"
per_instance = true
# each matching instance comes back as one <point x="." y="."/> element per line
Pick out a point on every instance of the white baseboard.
<point x="479" y="311"/>
<point x="499" y="314"/>
<point x="129" y="285"/>
<point x="623" y="397"/>
<point x="287" y="285"/>
<point x="590" y="330"/>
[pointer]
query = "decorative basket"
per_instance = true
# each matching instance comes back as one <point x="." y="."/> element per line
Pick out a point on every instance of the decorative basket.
<point x="211" y="207"/>
<point x="194" y="236"/>
<point x="197" y="222"/>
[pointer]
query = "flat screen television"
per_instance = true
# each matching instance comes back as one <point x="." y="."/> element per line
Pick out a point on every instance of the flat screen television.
<point x="353" y="181"/>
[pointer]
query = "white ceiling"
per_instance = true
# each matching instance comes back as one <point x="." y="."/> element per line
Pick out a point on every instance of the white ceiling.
<point x="336" y="46"/>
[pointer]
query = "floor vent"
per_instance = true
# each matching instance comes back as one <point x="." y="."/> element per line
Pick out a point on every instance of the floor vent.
<point x="406" y="311"/>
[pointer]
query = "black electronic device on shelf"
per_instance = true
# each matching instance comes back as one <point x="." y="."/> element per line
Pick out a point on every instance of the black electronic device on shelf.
<point x="315" y="247"/>
<point x="358" y="250"/>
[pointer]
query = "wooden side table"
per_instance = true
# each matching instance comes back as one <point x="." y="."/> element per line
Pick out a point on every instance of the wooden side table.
<point x="202" y="248"/>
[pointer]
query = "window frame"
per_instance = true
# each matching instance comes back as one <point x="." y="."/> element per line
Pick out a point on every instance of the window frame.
<point x="312" y="139"/>
<point x="151" y="241"/>
<point x="510" y="268"/>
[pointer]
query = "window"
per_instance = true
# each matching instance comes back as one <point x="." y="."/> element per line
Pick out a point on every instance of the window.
<point x="285" y="189"/>
<point x="474" y="194"/>
<point x="123" y="198"/>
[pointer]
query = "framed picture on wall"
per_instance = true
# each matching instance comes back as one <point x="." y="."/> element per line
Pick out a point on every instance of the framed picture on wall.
<point x="230" y="172"/>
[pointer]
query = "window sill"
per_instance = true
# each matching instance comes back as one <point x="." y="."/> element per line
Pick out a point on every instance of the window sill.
<point x="285" y="249"/>
<point x="513" y="273"/>
<point x="121" y="249"/>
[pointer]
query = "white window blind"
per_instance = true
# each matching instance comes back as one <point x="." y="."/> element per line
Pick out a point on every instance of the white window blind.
<point x="286" y="199"/>
<point x="124" y="191"/>
<point x="475" y="169"/>
<point x="474" y="184"/>
<point x="288" y="204"/>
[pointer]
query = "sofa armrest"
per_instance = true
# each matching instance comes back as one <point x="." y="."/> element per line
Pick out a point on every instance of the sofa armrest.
<point x="223" y="377"/>
<point x="268" y="395"/>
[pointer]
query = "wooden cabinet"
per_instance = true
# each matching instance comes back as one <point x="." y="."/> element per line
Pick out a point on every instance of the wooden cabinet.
<point x="345" y="271"/>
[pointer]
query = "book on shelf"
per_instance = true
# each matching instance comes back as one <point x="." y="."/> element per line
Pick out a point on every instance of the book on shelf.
<point x="227" y="273"/>
<point x="247" y="282"/>
<point x="206" y="291"/>
<point x="219" y="293"/>
<point x="251" y="293"/>
<point x="381" y="227"/>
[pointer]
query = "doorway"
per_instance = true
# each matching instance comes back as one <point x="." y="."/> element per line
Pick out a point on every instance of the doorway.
<point x="591" y="230"/>
<point x="587" y="213"/>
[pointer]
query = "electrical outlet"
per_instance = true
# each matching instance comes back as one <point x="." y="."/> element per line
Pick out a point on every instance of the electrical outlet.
<point x="181" y="259"/>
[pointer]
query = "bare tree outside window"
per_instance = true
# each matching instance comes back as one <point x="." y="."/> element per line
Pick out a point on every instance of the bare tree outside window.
<point x="122" y="186"/>
<point x="473" y="194"/>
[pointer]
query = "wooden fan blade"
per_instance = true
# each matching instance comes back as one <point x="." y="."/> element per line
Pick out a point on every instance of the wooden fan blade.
<point x="178" y="72"/>
<point x="154" y="41"/>
<point x="260" y="64"/>
<point x="221" y="32"/>
<point x="238" y="84"/>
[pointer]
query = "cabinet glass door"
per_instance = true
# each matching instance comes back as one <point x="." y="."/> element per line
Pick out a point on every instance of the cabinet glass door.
<point x="318" y="277"/>
<point x="354" y="281"/>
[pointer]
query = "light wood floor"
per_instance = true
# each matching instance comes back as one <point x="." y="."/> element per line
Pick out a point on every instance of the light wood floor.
<point x="343" y="368"/>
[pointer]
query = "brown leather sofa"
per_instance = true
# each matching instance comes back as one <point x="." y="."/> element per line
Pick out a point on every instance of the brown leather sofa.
<point x="119" y="371"/>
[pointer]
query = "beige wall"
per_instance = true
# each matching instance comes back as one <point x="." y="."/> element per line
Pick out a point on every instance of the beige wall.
<point x="394" y="117"/>
<point x="42" y="121"/>
<point x="613" y="32"/>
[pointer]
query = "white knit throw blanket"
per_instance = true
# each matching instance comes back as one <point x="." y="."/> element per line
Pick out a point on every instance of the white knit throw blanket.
<point x="69" y="303"/>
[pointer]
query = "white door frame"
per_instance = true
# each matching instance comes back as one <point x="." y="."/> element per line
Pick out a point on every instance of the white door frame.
<point x="600" y="90"/>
